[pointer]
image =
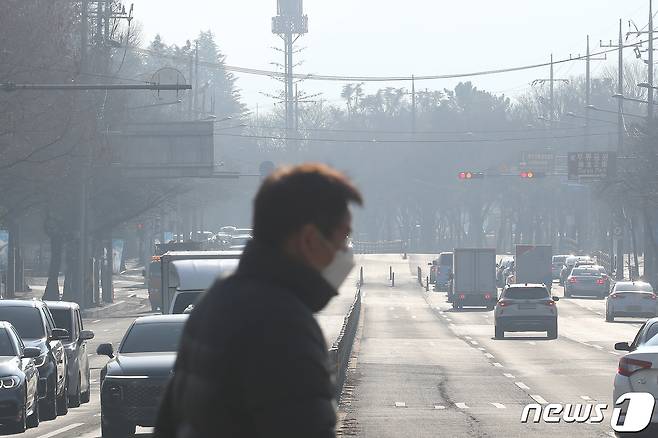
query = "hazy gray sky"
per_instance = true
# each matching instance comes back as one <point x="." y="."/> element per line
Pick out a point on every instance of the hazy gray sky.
<point x="385" y="37"/>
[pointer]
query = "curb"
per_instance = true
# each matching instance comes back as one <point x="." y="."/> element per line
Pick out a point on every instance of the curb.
<point x="341" y="350"/>
<point x="99" y="312"/>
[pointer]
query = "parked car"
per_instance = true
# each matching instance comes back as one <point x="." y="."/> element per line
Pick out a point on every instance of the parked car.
<point x="36" y="327"/>
<point x="238" y="242"/>
<point x="134" y="379"/>
<point x="443" y="271"/>
<point x="19" y="381"/>
<point x="631" y="299"/>
<point x="558" y="263"/>
<point x="570" y="263"/>
<point x="526" y="307"/>
<point x="638" y="369"/>
<point x="587" y="280"/>
<point x="67" y="316"/>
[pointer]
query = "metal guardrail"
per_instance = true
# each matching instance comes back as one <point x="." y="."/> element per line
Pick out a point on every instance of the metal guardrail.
<point x="379" y="247"/>
<point x="341" y="350"/>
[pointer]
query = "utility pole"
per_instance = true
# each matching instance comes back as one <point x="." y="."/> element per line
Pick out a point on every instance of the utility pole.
<point x="651" y="76"/>
<point x="618" y="217"/>
<point x="552" y="95"/>
<point x="195" y="99"/>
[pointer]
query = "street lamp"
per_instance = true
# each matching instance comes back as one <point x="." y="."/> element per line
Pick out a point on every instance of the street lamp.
<point x="593" y="108"/>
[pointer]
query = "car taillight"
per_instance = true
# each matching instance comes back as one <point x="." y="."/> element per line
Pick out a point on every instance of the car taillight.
<point x="548" y="303"/>
<point x="572" y="279"/>
<point x="462" y="296"/>
<point x="629" y="366"/>
<point x="600" y="281"/>
<point x="487" y="296"/>
<point x="503" y="303"/>
<point x="650" y="297"/>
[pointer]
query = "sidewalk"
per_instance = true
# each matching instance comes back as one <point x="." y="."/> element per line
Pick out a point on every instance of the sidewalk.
<point x="130" y="293"/>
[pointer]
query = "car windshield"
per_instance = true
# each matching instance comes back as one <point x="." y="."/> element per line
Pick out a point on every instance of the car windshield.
<point x="238" y="241"/>
<point x="183" y="300"/>
<point x="26" y="319"/>
<point x="153" y="337"/>
<point x="559" y="259"/>
<point x="633" y="287"/>
<point x="445" y="260"/>
<point x="526" y="293"/>
<point x="6" y="344"/>
<point x="585" y="272"/>
<point x="651" y="336"/>
<point x="62" y="318"/>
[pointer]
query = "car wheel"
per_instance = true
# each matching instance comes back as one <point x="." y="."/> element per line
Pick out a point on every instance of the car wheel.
<point x="63" y="401"/>
<point x="552" y="331"/>
<point x="76" y="399"/>
<point x="18" y="426"/>
<point x="116" y="429"/>
<point x="48" y="406"/>
<point x="499" y="333"/>
<point x="34" y="419"/>
<point x="86" y="396"/>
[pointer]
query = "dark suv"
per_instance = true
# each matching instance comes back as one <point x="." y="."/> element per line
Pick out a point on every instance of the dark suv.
<point x="67" y="316"/>
<point x="37" y="329"/>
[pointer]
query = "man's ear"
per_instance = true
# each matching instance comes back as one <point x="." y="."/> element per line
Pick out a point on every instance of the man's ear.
<point x="307" y="239"/>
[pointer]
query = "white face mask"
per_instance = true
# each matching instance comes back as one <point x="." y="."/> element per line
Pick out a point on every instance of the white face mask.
<point x="339" y="268"/>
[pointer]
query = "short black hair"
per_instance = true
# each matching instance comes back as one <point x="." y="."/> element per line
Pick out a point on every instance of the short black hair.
<point x="295" y="196"/>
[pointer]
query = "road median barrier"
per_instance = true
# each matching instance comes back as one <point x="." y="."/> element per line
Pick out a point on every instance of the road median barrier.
<point x="341" y="350"/>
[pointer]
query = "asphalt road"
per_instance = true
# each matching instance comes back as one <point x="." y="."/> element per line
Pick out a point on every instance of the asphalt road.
<point x="421" y="369"/>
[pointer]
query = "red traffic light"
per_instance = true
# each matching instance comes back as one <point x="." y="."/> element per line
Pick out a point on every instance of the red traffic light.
<point x="140" y="226"/>
<point x="531" y="174"/>
<point x="528" y="174"/>
<point x="467" y="175"/>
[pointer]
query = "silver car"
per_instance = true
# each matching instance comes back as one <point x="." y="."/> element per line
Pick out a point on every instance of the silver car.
<point x="631" y="299"/>
<point x="526" y="307"/>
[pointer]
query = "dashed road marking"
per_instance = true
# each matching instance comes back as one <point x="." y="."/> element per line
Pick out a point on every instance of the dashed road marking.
<point x="509" y="376"/>
<point x="489" y="355"/>
<point x="482" y="349"/>
<point x="539" y="399"/>
<point x="613" y="352"/>
<point x="449" y="320"/>
<point x="461" y="405"/>
<point x="400" y="405"/>
<point x="439" y="407"/>
<point x="522" y="385"/>
<point x="95" y="321"/>
<point x="61" y="430"/>
<point x="468" y="337"/>
<point x="498" y="365"/>
<point x="499" y="405"/>
<point x="413" y="317"/>
<point x="585" y="397"/>
<point x="474" y="342"/>
<point x="532" y="342"/>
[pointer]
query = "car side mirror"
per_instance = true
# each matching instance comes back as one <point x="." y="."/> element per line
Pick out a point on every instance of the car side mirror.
<point x="622" y="346"/>
<point x="429" y="264"/>
<point x="556" y="298"/>
<point x="60" y="334"/>
<point x="105" y="350"/>
<point x="86" y="335"/>
<point x="31" y="352"/>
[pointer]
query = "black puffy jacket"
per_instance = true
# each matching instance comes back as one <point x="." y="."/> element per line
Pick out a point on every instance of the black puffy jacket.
<point x="253" y="360"/>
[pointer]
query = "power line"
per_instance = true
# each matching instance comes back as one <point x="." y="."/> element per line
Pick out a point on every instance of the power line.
<point x="427" y="141"/>
<point x="338" y="78"/>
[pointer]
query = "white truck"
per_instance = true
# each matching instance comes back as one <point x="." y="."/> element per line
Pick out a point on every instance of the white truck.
<point x="534" y="265"/>
<point x="474" y="278"/>
<point x="187" y="274"/>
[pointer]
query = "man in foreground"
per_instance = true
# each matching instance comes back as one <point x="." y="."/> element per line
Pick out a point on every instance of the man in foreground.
<point x="253" y="360"/>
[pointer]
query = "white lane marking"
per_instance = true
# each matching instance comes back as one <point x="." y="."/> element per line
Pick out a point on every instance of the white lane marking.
<point x="586" y="344"/>
<point x="522" y="385"/>
<point x="61" y="430"/>
<point x="508" y="375"/>
<point x="585" y="397"/>
<point x="613" y="352"/>
<point x="452" y="326"/>
<point x="448" y="319"/>
<point x="539" y="399"/>
<point x="90" y="354"/>
<point x="474" y="342"/>
<point x="400" y="405"/>
<point x="482" y="349"/>
<point x="468" y="337"/>
<point x="499" y="365"/>
<point x="439" y="407"/>
<point x="106" y="330"/>
<point x="499" y="405"/>
<point x="598" y="347"/>
<point x="532" y="342"/>
<point x="489" y="355"/>
<point x="413" y="317"/>
<point x="95" y="321"/>
<point x="461" y="405"/>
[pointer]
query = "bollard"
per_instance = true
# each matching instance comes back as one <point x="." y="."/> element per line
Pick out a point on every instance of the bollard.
<point x="392" y="279"/>
<point x="427" y="284"/>
<point x="361" y="276"/>
<point x="390" y="272"/>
